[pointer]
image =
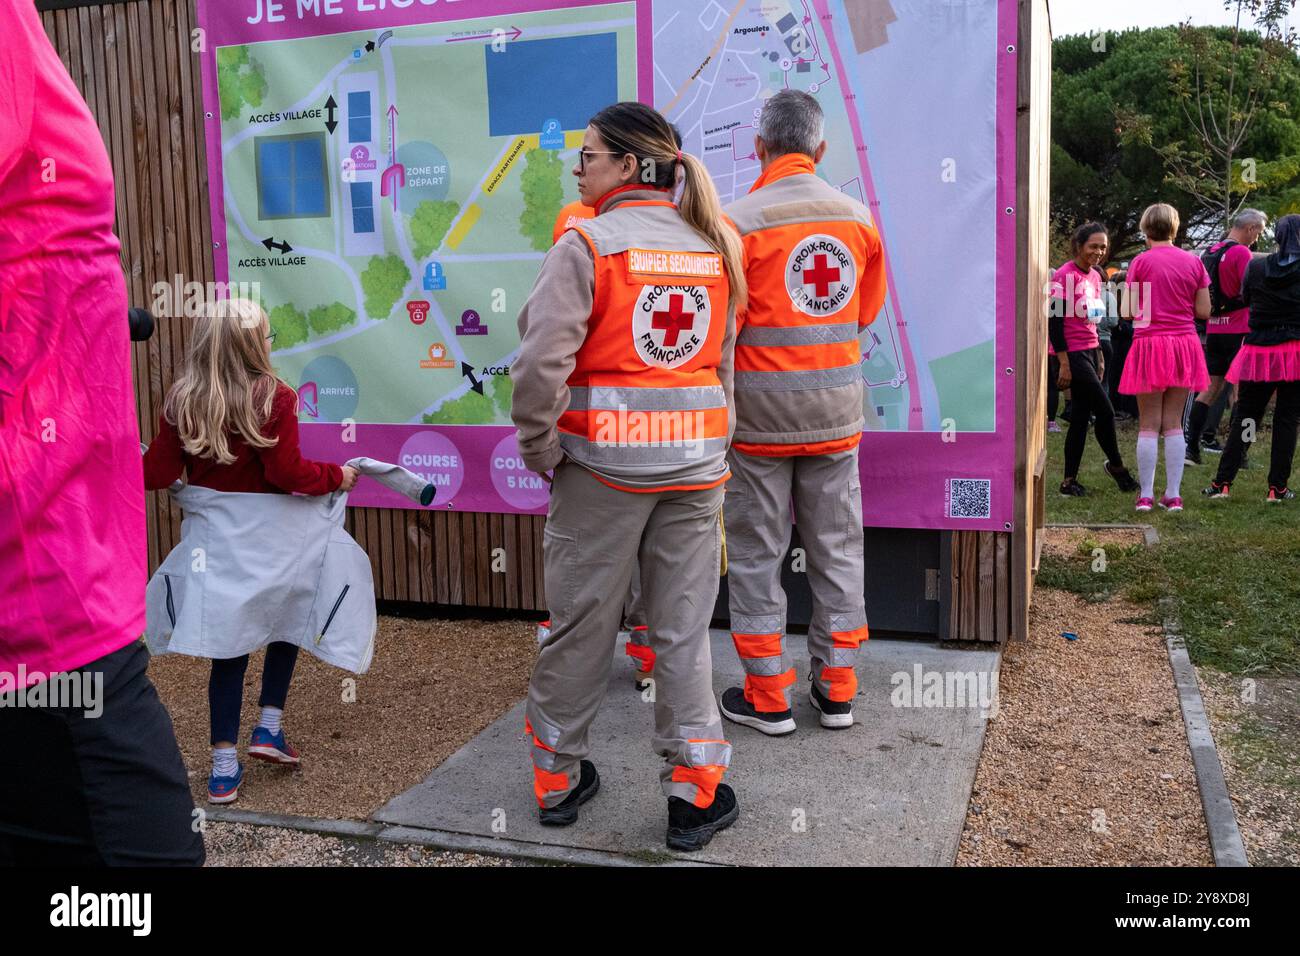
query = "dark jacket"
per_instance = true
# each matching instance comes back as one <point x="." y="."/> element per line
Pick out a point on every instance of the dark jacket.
<point x="1272" y="291"/>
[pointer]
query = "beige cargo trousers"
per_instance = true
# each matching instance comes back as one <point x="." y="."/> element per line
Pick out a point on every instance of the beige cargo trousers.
<point x="594" y="537"/>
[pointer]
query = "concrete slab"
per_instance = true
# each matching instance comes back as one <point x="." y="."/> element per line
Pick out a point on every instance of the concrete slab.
<point x="892" y="790"/>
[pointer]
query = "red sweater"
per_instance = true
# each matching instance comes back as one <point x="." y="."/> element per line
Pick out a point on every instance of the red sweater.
<point x="280" y="469"/>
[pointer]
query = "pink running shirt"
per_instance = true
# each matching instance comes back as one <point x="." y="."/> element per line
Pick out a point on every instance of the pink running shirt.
<point x="72" y="529"/>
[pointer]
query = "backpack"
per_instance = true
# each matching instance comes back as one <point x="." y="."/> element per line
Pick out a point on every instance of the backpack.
<point x="1220" y="304"/>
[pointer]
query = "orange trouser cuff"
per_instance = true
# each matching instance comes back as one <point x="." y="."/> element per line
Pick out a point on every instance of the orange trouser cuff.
<point x="842" y="683"/>
<point x="545" y="782"/>
<point x="767" y="694"/>
<point x="706" y="780"/>
<point x="643" y="655"/>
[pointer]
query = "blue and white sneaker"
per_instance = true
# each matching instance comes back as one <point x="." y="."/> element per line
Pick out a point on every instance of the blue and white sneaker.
<point x="225" y="789"/>
<point x="272" y="748"/>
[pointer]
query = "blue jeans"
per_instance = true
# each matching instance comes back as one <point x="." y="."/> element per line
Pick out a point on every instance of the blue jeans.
<point x="226" y="687"/>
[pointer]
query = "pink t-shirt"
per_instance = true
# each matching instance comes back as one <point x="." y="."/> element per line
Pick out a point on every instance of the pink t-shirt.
<point x="1162" y="286"/>
<point x="72" y="529"/>
<point x="1084" y="305"/>
<point x="1232" y="269"/>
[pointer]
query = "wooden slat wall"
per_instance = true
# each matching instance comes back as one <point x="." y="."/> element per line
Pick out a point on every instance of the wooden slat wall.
<point x="980" y="588"/>
<point x="133" y="63"/>
<point x="1033" y="144"/>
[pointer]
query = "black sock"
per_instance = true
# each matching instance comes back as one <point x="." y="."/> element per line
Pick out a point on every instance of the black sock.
<point x="1196" y="421"/>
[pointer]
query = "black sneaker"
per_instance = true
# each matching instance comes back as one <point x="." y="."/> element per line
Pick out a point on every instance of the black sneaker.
<point x="1276" y="494"/>
<point x="1212" y="445"/>
<point x="1122" y="477"/>
<point x="738" y="710"/>
<point x="567" y="812"/>
<point x="1218" y="490"/>
<point x="690" y="828"/>
<point x="1193" y="454"/>
<point x="1072" y="489"/>
<point x="835" y="715"/>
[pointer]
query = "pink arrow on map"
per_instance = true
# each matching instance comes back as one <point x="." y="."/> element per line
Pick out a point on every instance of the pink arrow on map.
<point x="394" y="177"/>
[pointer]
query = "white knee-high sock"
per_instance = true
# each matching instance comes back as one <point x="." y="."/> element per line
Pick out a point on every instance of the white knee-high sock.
<point x="1148" y="450"/>
<point x="1175" y="450"/>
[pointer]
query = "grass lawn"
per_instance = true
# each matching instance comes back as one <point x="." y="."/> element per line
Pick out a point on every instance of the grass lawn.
<point x="1230" y="569"/>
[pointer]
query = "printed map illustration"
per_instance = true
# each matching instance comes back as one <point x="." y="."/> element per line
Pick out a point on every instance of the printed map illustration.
<point x="393" y="191"/>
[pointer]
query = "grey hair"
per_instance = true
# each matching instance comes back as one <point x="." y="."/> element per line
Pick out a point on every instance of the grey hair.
<point x="1250" y="217"/>
<point x="791" y="122"/>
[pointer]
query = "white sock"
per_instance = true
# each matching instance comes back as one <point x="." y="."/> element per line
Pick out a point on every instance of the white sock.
<point x="271" y="719"/>
<point x="1148" y="451"/>
<point x="1175" y="449"/>
<point x="225" y="761"/>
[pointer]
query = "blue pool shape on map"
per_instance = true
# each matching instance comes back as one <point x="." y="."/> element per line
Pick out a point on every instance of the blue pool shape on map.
<point x="291" y="180"/>
<point x="578" y="76"/>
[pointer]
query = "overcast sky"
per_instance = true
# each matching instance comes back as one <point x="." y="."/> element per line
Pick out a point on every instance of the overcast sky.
<point x="1080" y="16"/>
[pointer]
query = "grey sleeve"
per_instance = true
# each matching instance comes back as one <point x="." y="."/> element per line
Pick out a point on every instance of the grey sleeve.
<point x="727" y="371"/>
<point x="552" y="327"/>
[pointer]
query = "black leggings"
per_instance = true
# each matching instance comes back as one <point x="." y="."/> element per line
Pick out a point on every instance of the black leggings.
<point x="104" y="786"/>
<point x="1088" y="398"/>
<point x="1053" y="393"/>
<point x="226" y="687"/>
<point x="1252" y="400"/>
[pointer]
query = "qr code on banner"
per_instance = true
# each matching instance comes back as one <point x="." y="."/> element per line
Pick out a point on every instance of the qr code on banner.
<point x="969" y="497"/>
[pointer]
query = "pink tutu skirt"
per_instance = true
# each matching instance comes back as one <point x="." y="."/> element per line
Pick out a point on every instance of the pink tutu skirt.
<point x="1158" y="362"/>
<point x="1266" y="363"/>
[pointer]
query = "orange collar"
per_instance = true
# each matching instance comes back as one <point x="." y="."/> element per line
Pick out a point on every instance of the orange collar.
<point x="603" y="203"/>
<point x="791" y="164"/>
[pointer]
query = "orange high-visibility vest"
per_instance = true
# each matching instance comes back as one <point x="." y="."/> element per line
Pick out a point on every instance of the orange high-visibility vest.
<point x="571" y="215"/>
<point x="816" y="278"/>
<point x="647" y="410"/>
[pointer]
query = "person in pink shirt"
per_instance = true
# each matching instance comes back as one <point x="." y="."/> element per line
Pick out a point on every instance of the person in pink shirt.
<point x="1229" y="322"/>
<point x="90" y="773"/>
<point x="1077" y="306"/>
<point x="1167" y="290"/>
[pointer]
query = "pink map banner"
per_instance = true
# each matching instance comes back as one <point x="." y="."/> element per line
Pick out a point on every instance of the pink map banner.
<point x="387" y="171"/>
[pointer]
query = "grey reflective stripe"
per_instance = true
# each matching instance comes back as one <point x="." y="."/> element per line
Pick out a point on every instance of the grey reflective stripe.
<point x="544" y="759"/>
<point x="708" y="753"/>
<point x="843" y="657"/>
<point x="847" y="622"/>
<point x="623" y="453"/>
<point x="798" y="335"/>
<point x="757" y="624"/>
<point x="545" y="731"/>
<point x="798" y="380"/>
<point x="765" y="666"/>
<point x="578" y="398"/>
<point x="690" y="398"/>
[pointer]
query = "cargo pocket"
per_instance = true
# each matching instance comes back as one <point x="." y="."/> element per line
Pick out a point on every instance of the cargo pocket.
<point x="852" y="505"/>
<point x="562" y="565"/>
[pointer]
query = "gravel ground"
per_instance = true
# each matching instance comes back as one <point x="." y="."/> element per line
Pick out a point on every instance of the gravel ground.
<point x="433" y="685"/>
<point x="1087" y="762"/>
<point x="239" y="844"/>
<point x="1256" y="725"/>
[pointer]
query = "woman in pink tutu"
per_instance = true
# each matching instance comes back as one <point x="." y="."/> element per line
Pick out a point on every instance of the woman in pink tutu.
<point x="1269" y="361"/>
<point x="1166" y="292"/>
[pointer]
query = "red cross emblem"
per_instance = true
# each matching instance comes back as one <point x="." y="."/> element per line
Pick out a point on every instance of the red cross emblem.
<point x="821" y="276"/>
<point x="675" y="320"/>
